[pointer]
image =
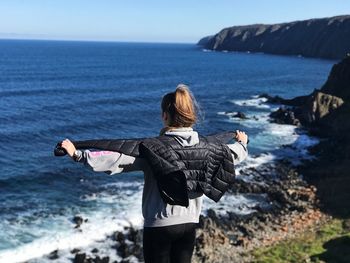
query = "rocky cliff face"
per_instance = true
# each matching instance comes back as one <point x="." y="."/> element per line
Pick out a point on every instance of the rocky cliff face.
<point x="326" y="112"/>
<point x="338" y="82"/>
<point x="324" y="109"/>
<point x="323" y="38"/>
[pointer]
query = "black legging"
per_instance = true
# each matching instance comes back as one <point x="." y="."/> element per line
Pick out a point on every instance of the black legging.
<point x="169" y="244"/>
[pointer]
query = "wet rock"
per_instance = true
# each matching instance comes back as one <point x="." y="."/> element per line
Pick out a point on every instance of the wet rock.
<point x="79" y="258"/>
<point x="95" y="250"/>
<point x="211" y="213"/>
<point x="100" y="260"/>
<point x="123" y="250"/>
<point x="285" y="116"/>
<point x="297" y="101"/>
<point x="78" y="220"/>
<point x="272" y="99"/>
<point x="129" y="242"/>
<point x="119" y="236"/>
<point x="240" y="115"/>
<point x="134" y="235"/>
<point x="53" y="255"/>
<point x="75" y="250"/>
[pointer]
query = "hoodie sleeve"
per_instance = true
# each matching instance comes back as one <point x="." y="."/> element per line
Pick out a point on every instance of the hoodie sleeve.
<point x="239" y="152"/>
<point x="110" y="162"/>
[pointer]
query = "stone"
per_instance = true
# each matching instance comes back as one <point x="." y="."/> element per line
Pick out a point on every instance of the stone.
<point x="75" y="250"/>
<point x="95" y="250"/>
<point x="79" y="258"/>
<point x="240" y="115"/>
<point x="78" y="220"/>
<point x="119" y="236"/>
<point x="285" y="116"/>
<point x="53" y="255"/>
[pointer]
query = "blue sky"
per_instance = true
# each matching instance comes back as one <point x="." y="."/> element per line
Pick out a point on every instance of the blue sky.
<point x="150" y="20"/>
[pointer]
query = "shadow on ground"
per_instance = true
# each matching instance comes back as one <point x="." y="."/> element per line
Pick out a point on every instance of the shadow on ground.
<point x="337" y="251"/>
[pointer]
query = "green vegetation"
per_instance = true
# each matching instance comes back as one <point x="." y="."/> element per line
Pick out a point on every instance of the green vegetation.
<point x="331" y="243"/>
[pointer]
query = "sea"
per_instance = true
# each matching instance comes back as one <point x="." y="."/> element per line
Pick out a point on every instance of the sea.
<point x="52" y="90"/>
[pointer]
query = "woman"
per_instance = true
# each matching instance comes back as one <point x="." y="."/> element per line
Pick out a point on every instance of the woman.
<point x="169" y="230"/>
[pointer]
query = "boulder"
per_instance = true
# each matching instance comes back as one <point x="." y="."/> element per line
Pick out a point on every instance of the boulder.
<point x="79" y="258"/>
<point x="78" y="220"/>
<point x="240" y="115"/>
<point x="285" y="116"/>
<point x="54" y="255"/>
<point x="317" y="106"/>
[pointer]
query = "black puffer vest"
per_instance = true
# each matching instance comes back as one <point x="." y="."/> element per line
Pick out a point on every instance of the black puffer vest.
<point x="206" y="167"/>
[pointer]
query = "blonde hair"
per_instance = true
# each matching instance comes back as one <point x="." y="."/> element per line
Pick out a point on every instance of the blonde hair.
<point x="181" y="107"/>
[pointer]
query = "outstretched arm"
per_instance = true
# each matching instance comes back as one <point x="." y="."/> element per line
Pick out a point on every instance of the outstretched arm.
<point x="239" y="149"/>
<point x="104" y="161"/>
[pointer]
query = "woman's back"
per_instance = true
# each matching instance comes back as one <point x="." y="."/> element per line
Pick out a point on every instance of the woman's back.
<point x="158" y="213"/>
<point x="169" y="230"/>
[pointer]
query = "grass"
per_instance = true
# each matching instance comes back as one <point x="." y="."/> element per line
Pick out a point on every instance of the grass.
<point x="331" y="243"/>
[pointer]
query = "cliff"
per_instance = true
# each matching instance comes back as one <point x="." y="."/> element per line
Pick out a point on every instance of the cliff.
<point x="323" y="38"/>
<point x="338" y="82"/>
<point x="326" y="113"/>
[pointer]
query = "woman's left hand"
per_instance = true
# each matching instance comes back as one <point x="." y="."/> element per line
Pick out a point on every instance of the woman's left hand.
<point x="69" y="147"/>
<point x="241" y="136"/>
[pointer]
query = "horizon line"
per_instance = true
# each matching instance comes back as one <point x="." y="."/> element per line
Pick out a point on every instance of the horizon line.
<point x="96" y="40"/>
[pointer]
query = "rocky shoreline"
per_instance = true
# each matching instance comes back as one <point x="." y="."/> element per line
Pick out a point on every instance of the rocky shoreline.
<point x="227" y="238"/>
<point x="299" y="196"/>
<point x="303" y="197"/>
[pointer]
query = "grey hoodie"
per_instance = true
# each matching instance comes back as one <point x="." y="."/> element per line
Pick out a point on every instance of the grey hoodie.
<point x="156" y="212"/>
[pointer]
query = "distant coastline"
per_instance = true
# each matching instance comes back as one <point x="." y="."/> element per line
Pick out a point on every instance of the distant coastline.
<point x="320" y="38"/>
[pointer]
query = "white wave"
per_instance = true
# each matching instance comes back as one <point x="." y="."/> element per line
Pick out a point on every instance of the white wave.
<point x="60" y="240"/>
<point x="298" y="151"/>
<point x="230" y="114"/>
<point x="304" y="141"/>
<point x="100" y="224"/>
<point x="256" y="161"/>
<point x="253" y="102"/>
<point x="253" y="162"/>
<point x="238" y="204"/>
<point x="123" y="185"/>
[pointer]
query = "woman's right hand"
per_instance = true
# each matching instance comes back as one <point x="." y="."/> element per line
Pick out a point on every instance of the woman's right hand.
<point x="69" y="147"/>
<point x="241" y="136"/>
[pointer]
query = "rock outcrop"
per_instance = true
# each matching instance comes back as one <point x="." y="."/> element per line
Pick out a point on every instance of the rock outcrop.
<point x="324" y="111"/>
<point x="323" y="38"/>
<point x="318" y="105"/>
<point x="338" y="82"/>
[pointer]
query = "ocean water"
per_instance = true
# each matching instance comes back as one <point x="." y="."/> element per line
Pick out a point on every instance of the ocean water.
<point x="51" y="90"/>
